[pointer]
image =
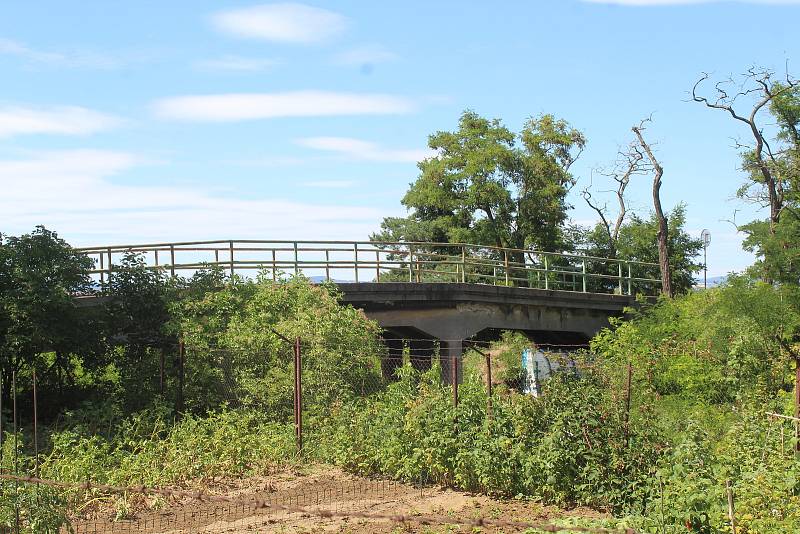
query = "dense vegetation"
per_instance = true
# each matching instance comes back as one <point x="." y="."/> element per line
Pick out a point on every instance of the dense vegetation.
<point x="120" y="403"/>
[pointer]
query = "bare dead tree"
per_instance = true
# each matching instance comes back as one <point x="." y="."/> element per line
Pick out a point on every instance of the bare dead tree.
<point x="663" y="230"/>
<point x="629" y="163"/>
<point x="758" y="85"/>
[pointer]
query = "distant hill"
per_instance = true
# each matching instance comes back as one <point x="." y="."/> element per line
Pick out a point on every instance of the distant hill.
<point x="713" y="281"/>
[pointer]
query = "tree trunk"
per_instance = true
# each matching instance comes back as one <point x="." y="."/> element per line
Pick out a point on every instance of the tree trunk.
<point x="663" y="230"/>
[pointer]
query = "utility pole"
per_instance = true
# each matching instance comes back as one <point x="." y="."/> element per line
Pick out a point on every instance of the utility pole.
<point x="705" y="236"/>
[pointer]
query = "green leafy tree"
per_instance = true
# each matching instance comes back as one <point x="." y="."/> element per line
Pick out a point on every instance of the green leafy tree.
<point x="771" y="161"/>
<point x="637" y="241"/>
<point x="489" y="186"/>
<point x="40" y="322"/>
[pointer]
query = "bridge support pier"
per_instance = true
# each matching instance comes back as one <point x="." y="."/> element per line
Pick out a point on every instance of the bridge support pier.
<point x="450" y="356"/>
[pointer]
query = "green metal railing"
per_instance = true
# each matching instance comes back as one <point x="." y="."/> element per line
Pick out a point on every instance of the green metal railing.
<point x="369" y="261"/>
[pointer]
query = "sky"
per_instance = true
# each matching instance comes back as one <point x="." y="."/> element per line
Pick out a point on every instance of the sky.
<point x="154" y="121"/>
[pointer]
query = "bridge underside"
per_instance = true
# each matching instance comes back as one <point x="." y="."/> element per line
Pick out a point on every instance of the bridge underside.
<point x="424" y="313"/>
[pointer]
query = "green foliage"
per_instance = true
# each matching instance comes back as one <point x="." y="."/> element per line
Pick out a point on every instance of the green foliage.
<point x="487" y="185"/>
<point x="233" y="335"/>
<point x="711" y="346"/>
<point x="39" y="276"/>
<point x="637" y="241"/>
<point x="566" y="447"/>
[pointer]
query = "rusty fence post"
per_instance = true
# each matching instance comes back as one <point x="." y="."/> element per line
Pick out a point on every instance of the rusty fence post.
<point x="796" y="405"/>
<point x="454" y="377"/>
<point x="35" y="429"/>
<point x="181" y="363"/>
<point x="489" y="412"/>
<point x="628" y="404"/>
<point x="298" y="396"/>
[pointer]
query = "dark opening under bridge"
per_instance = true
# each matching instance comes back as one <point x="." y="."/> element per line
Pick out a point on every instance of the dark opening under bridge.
<point x="422" y="292"/>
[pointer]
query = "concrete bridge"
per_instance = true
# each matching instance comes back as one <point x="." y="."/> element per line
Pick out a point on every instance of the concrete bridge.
<point x="423" y="293"/>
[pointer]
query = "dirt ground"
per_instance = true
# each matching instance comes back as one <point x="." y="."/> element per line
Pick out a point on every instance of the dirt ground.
<point x="432" y="510"/>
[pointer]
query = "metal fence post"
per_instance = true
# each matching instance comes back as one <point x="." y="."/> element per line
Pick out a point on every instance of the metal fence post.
<point x="454" y="377"/>
<point x="619" y="271"/>
<point x="102" y="274"/>
<point x="463" y="264"/>
<point x="377" y="265"/>
<point x="583" y="266"/>
<point x="630" y="279"/>
<point x="230" y="247"/>
<point x="181" y="363"/>
<point x="628" y="404"/>
<point x="546" y="278"/>
<point x="410" y="264"/>
<point x="110" y="265"/>
<point x="35" y="429"/>
<point x="298" y="396"/>
<point x="505" y="263"/>
<point x="355" y="260"/>
<point x="489" y="413"/>
<point x="172" y="260"/>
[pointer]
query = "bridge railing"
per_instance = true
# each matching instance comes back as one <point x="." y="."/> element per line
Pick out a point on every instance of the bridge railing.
<point x="368" y="261"/>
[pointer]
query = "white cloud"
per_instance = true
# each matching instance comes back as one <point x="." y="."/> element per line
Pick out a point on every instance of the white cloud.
<point x="364" y="55"/>
<point x="363" y="150"/>
<point x="283" y="22"/>
<point x="249" y="106"/>
<point x="68" y="58"/>
<point x="66" y="120"/>
<point x="687" y="2"/>
<point x="330" y="184"/>
<point x="237" y="63"/>
<point x="73" y="193"/>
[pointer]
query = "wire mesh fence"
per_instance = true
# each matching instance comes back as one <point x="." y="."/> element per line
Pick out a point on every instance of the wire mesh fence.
<point x="294" y="384"/>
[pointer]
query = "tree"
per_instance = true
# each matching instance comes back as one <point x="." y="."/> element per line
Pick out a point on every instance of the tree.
<point x="489" y="186"/>
<point x="772" y="163"/>
<point x="637" y="241"/>
<point x="40" y="323"/>
<point x="628" y="164"/>
<point x="663" y="230"/>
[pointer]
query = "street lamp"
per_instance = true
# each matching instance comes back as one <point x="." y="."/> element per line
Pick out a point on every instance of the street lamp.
<point x="705" y="237"/>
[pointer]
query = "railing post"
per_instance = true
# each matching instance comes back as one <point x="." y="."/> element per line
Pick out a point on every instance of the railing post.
<point x="410" y="264"/>
<point x="463" y="264"/>
<point x="546" y="278"/>
<point x="377" y="265"/>
<point x="102" y="274"/>
<point x="172" y="260"/>
<point x="274" y="266"/>
<point x="630" y="279"/>
<point x="216" y="255"/>
<point x="583" y="266"/>
<point x="355" y="259"/>
<point x="156" y="256"/>
<point x="110" y="265"/>
<point x="620" y="277"/>
<point x="327" y="265"/>
<point x="230" y="246"/>
<point x="296" y="267"/>
<point x="505" y="262"/>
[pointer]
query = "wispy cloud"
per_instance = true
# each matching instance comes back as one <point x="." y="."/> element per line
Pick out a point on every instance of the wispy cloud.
<point x="364" y="55"/>
<point x="65" y="120"/>
<point x="363" y="150"/>
<point x="645" y="3"/>
<point x="282" y="22"/>
<point x="250" y="106"/>
<point x="73" y="192"/>
<point x="68" y="58"/>
<point x="330" y="184"/>
<point x="237" y="63"/>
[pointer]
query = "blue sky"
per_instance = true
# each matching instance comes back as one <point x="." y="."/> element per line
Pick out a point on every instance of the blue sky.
<point x="155" y="121"/>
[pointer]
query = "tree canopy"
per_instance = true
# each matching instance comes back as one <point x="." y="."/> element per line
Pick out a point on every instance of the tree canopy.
<point x="490" y="186"/>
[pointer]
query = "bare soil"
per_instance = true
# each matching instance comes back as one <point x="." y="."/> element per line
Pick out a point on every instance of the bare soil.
<point x="326" y="488"/>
